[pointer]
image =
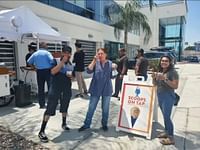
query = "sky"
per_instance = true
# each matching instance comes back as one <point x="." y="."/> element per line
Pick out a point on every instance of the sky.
<point x="192" y="29"/>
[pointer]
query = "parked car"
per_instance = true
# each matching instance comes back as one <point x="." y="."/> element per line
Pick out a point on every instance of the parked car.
<point x="153" y="56"/>
<point x="156" y="55"/>
<point x="168" y="50"/>
<point x="192" y="59"/>
<point x="131" y="63"/>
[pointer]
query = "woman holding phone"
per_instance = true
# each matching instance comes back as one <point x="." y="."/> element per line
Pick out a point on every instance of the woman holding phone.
<point x="167" y="80"/>
<point x="100" y="86"/>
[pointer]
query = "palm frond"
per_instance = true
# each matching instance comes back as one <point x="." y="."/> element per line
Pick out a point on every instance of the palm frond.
<point x="117" y="33"/>
<point x="147" y="30"/>
<point x="142" y="20"/>
<point x="129" y="19"/>
<point x="106" y="12"/>
<point x="117" y="29"/>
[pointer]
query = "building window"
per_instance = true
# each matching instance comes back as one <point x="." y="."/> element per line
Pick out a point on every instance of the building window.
<point x="171" y="32"/>
<point x="92" y="9"/>
<point x="81" y="3"/>
<point x="57" y="3"/>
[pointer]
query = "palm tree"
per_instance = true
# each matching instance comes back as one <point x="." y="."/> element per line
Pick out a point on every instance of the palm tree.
<point x="128" y="18"/>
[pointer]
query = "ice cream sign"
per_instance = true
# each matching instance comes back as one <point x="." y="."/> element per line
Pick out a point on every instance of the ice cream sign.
<point x="136" y="109"/>
<point x="136" y="99"/>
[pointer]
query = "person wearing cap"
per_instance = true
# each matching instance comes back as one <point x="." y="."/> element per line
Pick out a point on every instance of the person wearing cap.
<point x="31" y="50"/>
<point x="42" y="60"/>
<point x="60" y="88"/>
<point x="79" y="68"/>
<point x="141" y="65"/>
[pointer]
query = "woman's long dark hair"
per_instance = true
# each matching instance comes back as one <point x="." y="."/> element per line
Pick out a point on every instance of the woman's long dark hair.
<point x="171" y="66"/>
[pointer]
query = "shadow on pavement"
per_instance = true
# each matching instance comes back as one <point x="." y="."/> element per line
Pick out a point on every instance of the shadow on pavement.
<point x="72" y="135"/>
<point x="79" y="137"/>
<point x="7" y="110"/>
<point x="111" y="132"/>
<point x="75" y="91"/>
<point x="190" y="142"/>
<point x="11" y="108"/>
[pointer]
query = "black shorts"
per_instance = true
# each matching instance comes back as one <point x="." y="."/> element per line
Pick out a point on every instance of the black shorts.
<point x="55" y="94"/>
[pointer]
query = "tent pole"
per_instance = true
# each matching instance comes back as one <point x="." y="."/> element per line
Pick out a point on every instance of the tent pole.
<point x="38" y="43"/>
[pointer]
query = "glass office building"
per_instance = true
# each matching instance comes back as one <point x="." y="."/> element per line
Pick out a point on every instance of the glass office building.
<point x="84" y="21"/>
<point x="171" y="33"/>
<point x="92" y="9"/>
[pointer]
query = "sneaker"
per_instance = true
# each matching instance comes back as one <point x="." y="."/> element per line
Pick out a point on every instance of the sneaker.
<point x="65" y="127"/>
<point x="43" y="137"/>
<point x="105" y="128"/>
<point x="79" y="95"/>
<point x="83" y="128"/>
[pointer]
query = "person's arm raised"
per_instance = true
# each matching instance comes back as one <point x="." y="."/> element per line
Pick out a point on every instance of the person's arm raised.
<point x="57" y="68"/>
<point x="92" y="64"/>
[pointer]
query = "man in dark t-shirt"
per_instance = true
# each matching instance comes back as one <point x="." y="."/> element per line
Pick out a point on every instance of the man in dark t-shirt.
<point x="31" y="50"/>
<point x="122" y="68"/>
<point x="79" y="57"/>
<point x="141" y="65"/>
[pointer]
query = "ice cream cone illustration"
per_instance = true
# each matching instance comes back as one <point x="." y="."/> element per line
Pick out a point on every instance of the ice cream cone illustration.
<point x="137" y="91"/>
<point x="134" y="111"/>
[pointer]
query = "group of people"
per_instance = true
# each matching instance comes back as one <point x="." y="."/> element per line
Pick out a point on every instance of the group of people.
<point x="43" y="61"/>
<point x="58" y="74"/>
<point x="101" y="67"/>
<point x="166" y="80"/>
<point x="141" y="68"/>
<point x="60" y="85"/>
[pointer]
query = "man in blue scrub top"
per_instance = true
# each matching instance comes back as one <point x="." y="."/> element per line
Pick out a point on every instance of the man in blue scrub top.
<point x="42" y="60"/>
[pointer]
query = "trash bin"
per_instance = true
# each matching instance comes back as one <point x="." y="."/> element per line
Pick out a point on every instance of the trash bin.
<point x="23" y="95"/>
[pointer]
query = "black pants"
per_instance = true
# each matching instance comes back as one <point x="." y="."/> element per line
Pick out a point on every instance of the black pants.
<point x="43" y="75"/>
<point x="118" y="85"/>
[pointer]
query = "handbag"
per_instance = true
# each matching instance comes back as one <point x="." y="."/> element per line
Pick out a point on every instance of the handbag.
<point x="177" y="98"/>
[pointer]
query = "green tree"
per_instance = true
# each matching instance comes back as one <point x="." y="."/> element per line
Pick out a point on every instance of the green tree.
<point x="128" y="18"/>
<point x="190" y="48"/>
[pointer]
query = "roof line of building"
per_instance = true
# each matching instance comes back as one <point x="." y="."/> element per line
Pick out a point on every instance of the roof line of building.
<point x="168" y="3"/>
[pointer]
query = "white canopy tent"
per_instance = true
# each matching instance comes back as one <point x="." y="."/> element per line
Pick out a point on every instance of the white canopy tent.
<point x="21" y="23"/>
<point x="7" y="32"/>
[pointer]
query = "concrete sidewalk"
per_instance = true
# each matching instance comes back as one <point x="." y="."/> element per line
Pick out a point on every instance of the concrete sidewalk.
<point x="26" y="121"/>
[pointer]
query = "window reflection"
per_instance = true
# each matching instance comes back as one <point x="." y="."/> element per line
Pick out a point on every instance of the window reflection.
<point x="171" y="32"/>
<point x="92" y="9"/>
